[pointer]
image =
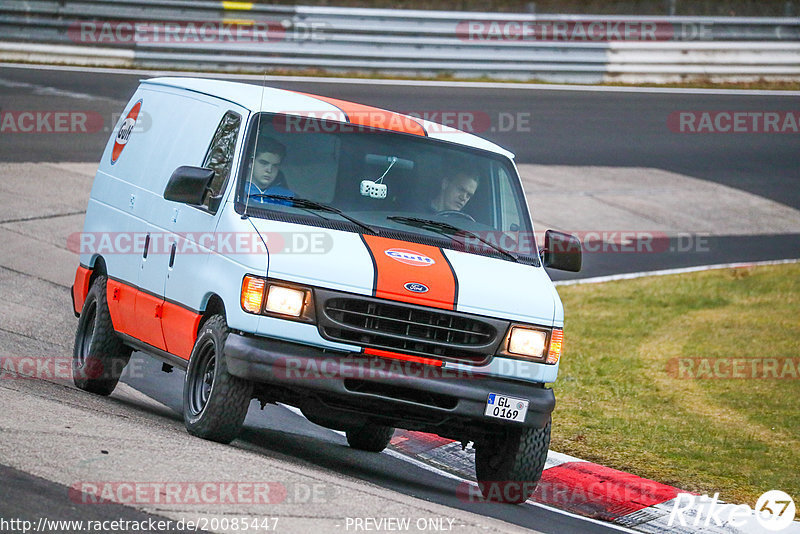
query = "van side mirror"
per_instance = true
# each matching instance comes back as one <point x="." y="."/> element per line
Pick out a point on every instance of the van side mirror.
<point x="561" y="251"/>
<point x="189" y="185"/>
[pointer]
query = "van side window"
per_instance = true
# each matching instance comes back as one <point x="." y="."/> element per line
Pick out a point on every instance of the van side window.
<point x="220" y="153"/>
<point x="509" y="206"/>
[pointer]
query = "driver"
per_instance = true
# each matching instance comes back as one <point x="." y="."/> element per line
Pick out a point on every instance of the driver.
<point x="266" y="177"/>
<point x="455" y="191"/>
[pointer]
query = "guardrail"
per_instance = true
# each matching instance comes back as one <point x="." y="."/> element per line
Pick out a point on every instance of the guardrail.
<point x="244" y="37"/>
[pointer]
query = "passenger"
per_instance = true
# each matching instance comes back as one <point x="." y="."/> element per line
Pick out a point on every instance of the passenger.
<point x="266" y="176"/>
<point x="456" y="190"/>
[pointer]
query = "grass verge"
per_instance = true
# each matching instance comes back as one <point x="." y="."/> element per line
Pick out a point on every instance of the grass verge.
<point x="634" y="394"/>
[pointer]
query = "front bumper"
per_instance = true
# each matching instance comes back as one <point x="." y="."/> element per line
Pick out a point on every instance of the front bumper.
<point x="403" y="392"/>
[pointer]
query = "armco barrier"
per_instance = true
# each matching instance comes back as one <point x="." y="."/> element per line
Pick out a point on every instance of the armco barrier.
<point x="244" y="37"/>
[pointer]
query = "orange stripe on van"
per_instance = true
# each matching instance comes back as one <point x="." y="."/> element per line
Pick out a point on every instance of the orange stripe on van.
<point x="374" y="117"/>
<point x="122" y="306"/>
<point x="149" y="309"/>
<point x="404" y="357"/>
<point x="81" y="287"/>
<point x="180" y="329"/>
<point x="150" y="319"/>
<point x="400" y="265"/>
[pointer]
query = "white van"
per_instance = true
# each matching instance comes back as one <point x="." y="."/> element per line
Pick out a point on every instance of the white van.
<point x="375" y="270"/>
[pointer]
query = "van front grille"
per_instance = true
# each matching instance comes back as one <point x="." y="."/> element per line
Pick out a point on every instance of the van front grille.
<point x="408" y="329"/>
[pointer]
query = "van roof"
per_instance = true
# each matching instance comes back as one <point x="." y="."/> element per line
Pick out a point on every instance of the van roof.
<point x="272" y="100"/>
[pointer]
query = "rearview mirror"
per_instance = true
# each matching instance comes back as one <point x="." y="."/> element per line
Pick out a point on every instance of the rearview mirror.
<point x="561" y="251"/>
<point x="189" y="185"/>
<point x="397" y="163"/>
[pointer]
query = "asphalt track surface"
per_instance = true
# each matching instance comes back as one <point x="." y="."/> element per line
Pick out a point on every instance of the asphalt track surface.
<point x="567" y="128"/>
<point x="607" y="128"/>
<point x="20" y="489"/>
<point x="547" y="127"/>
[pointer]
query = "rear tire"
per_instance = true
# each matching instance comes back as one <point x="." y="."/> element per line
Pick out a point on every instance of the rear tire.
<point x="370" y="437"/>
<point x="508" y="466"/>
<point x="98" y="356"/>
<point x="214" y="401"/>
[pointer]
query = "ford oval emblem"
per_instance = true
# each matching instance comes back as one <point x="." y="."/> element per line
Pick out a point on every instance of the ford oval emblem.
<point x="416" y="287"/>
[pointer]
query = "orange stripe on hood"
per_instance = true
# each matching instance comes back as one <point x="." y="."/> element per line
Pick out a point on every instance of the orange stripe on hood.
<point x="400" y="265"/>
<point x="374" y="117"/>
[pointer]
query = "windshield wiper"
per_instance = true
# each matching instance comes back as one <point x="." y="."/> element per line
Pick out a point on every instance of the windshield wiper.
<point x="450" y="231"/>
<point x="313" y="205"/>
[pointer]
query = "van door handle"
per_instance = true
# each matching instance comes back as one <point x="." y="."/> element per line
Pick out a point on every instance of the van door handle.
<point x="146" y="246"/>
<point x="172" y="255"/>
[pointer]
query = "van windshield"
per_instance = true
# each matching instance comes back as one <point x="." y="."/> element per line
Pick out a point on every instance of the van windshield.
<point x="398" y="185"/>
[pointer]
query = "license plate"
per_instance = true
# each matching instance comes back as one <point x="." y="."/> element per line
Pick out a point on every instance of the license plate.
<point x="508" y="408"/>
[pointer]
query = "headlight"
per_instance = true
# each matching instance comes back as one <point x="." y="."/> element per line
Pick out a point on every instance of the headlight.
<point x="285" y="301"/>
<point x="277" y="298"/>
<point x="530" y="343"/>
<point x="527" y="342"/>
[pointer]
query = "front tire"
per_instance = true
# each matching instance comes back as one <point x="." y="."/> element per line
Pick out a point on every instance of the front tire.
<point x="98" y="356"/>
<point x="508" y="466"/>
<point x="370" y="437"/>
<point x="214" y="401"/>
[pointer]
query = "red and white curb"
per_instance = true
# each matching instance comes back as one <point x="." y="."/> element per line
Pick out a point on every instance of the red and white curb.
<point x="594" y="491"/>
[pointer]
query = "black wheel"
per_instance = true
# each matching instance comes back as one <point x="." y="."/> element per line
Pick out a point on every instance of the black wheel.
<point x="214" y="401"/>
<point x="98" y="356"/>
<point x="509" y="465"/>
<point x="370" y="437"/>
<point x="455" y="213"/>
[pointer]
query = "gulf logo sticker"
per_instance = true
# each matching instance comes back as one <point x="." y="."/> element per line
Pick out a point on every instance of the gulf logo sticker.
<point x="124" y="132"/>
<point x="409" y="257"/>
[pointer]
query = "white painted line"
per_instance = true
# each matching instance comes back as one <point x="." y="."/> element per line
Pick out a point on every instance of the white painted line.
<point x="292" y="409"/>
<point x="410" y="83"/>
<point x="125" y="392"/>
<point x="298" y="411"/>
<point x="555" y="459"/>
<point x="629" y="276"/>
<point x="44" y="90"/>
<point x="423" y="465"/>
<point x="608" y="524"/>
<point x="437" y="471"/>
<point x="388" y="451"/>
<point x="61" y="50"/>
